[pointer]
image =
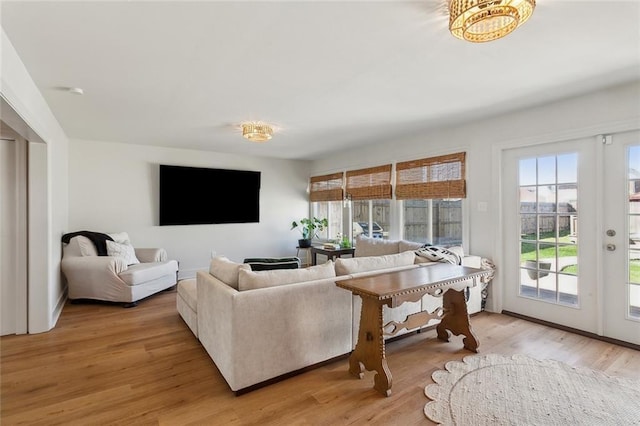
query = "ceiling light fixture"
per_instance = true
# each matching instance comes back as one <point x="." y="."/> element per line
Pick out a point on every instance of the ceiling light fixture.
<point x="257" y="131"/>
<point x="486" y="20"/>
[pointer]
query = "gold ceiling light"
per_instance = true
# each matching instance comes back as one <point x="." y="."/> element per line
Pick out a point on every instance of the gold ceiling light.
<point x="257" y="132"/>
<point x="485" y="20"/>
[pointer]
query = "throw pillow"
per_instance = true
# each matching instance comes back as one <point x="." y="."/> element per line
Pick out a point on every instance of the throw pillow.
<point x="120" y="237"/>
<point x="441" y="254"/>
<point x="269" y="263"/>
<point x="346" y="266"/>
<point x="226" y="270"/>
<point x="250" y="280"/>
<point x="125" y="251"/>
<point x="366" y="246"/>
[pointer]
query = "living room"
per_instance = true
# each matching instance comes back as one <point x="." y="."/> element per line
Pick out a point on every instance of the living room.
<point x="102" y="183"/>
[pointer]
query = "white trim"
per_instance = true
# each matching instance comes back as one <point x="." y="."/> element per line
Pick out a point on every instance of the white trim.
<point x="599" y="194"/>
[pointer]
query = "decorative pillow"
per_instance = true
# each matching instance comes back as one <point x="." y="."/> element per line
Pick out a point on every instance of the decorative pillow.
<point x="125" y="251"/>
<point x="226" y="270"/>
<point x="120" y="237"/>
<point x="269" y="263"/>
<point x="441" y="254"/>
<point x="346" y="266"/>
<point x="366" y="246"/>
<point x="250" y="280"/>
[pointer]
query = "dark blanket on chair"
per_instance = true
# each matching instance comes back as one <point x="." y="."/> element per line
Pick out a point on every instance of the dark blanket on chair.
<point x="98" y="239"/>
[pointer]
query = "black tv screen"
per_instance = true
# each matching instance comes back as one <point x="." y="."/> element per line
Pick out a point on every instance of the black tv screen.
<point x="197" y="196"/>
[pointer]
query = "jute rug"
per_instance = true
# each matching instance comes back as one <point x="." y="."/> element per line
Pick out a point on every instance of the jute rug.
<point x="519" y="390"/>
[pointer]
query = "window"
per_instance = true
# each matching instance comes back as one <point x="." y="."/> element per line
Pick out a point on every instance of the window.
<point x="432" y="190"/>
<point x="325" y="194"/>
<point x="437" y="222"/>
<point x="332" y="210"/>
<point x="548" y="215"/>
<point x="370" y="192"/>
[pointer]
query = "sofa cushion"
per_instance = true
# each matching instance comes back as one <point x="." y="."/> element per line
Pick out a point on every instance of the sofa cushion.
<point x="345" y="266"/>
<point x="188" y="290"/>
<point x="227" y="270"/>
<point x="125" y="251"/>
<point x="404" y="245"/>
<point x="251" y="280"/>
<point x="143" y="272"/>
<point x="268" y="263"/>
<point x="366" y="246"/>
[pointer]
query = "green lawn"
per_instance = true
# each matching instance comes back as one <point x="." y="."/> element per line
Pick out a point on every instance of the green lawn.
<point x="528" y="250"/>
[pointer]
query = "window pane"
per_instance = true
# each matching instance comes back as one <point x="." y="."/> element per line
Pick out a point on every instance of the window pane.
<point x="437" y="222"/>
<point x="528" y="226"/>
<point x="547" y="199"/>
<point x="567" y="198"/>
<point x="568" y="168"/>
<point x="528" y="199"/>
<point x="546" y="170"/>
<point x="528" y="171"/>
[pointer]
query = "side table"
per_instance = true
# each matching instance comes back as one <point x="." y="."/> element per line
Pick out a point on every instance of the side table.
<point x="330" y="253"/>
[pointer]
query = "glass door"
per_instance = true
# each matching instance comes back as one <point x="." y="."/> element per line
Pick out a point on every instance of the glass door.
<point x="621" y="235"/>
<point x="549" y="217"/>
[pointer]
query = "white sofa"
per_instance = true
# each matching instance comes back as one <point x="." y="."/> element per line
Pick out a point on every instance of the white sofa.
<point x="112" y="278"/>
<point x="258" y="326"/>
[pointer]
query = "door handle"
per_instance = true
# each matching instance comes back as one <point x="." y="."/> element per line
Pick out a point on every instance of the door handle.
<point x="611" y="247"/>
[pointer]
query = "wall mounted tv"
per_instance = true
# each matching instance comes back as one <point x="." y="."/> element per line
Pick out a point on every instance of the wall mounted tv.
<point x="197" y="196"/>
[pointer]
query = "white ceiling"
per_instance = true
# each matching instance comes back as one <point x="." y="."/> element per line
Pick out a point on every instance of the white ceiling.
<point x="329" y="74"/>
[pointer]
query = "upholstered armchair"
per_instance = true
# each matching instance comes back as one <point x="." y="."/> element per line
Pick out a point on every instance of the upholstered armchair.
<point x="124" y="274"/>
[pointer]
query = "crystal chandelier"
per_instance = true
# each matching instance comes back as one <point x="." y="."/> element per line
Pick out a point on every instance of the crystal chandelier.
<point x="257" y="132"/>
<point x="485" y="20"/>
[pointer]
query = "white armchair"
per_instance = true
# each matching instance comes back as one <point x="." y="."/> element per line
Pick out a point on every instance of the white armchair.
<point x="115" y="278"/>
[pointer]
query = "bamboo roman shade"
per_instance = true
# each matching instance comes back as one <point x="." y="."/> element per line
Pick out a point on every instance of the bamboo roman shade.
<point x="369" y="184"/>
<point x="326" y="188"/>
<point x="435" y="177"/>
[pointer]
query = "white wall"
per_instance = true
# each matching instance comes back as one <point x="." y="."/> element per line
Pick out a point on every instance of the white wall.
<point x="114" y="187"/>
<point x="26" y="111"/>
<point x="606" y="111"/>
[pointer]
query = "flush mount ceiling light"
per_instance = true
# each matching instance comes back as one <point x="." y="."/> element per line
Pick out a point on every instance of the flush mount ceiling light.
<point x="257" y="131"/>
<point x="485" y="20"/>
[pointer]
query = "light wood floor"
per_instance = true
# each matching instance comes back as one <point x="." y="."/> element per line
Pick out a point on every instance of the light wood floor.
<point x="104" y="364"/>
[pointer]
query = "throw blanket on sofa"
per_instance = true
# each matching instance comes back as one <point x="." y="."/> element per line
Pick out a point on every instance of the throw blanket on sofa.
<point x="439" y="254"/>
<point x="98" y="239"/>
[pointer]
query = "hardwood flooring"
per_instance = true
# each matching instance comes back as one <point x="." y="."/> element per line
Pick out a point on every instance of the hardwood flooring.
<point x="103" y="364"/>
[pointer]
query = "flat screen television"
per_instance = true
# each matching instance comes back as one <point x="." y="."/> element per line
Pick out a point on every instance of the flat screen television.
<point x="197" y="196"/>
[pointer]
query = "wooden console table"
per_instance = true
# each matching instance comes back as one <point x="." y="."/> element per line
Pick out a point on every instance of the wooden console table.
<point x="330" y="253"/>
<point x="393" y="289"/>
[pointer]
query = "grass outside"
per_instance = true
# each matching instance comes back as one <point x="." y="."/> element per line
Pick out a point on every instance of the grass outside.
<point x="566" y="249"/>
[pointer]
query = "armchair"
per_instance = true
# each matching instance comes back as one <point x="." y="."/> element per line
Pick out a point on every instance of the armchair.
<point x="115" y="278"/>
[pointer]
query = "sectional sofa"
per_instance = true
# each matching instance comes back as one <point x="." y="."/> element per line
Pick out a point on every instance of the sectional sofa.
<point x="260" y="325"/>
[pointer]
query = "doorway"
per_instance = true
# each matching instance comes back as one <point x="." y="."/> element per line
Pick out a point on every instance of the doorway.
<point x="569" y="221"/>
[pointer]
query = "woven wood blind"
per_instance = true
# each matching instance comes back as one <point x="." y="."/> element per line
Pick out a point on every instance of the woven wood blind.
<point x="327" y="187"/>
<point x="370" y="184"/>
<point x="435" y="177"/>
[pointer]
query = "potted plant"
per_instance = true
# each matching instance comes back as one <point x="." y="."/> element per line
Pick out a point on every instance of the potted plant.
<point x="309" y="228"/>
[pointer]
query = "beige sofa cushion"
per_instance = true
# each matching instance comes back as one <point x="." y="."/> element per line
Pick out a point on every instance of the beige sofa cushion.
<point x="366" y="246"/>
<point x="226" y="270"/>
<point x="404" y="245"/>
<point x="345" y="266"/>
<point x="251" y="280"/>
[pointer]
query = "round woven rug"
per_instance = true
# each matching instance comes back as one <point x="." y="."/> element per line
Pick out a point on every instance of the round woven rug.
<point x="519" y="390"/>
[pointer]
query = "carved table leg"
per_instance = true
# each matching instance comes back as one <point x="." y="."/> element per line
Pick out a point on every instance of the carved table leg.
<point x="456" y="320"/>
<point x="370" y="352"/>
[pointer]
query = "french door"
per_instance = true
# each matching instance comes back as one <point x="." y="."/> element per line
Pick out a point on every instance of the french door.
<point x="571" y="224"/>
